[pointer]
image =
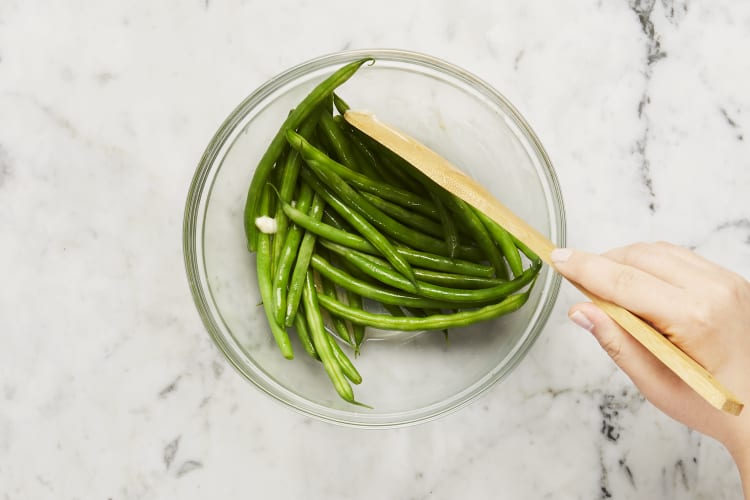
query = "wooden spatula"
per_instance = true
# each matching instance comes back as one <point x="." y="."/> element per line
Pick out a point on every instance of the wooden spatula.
<point x="458" y="183"/>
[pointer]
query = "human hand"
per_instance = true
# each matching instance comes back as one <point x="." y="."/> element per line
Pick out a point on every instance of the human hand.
<point x="701" y="307"/>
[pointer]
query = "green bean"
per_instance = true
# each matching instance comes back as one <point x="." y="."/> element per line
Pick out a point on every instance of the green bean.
<point x="363" y="157"/>
<point x="415" y="257"/>
<point x="412" y="237"/>
<point x="396" y="167"/>
<point x="329" y="104"/>
<point x="373" y="270"/>
<point x="334" y="219"/>
<point x="300" y="324"/>
<point x="301" y="264"/>
<point x="423" y="313"/>
<point x="361" y="224"/>
<point x="347" y="266"/>
<point x="392" y="278"/>
<point x="355" y="301"/>
<point x="417" y="312"/>
<point x="528" y="252"/>
<point x="456" y="280"/>
<point x="389" y="162"/>
<point x="386" y="191"/>
<point x="319" y="337"/>
<point x="448" y="225"/>
<point x="364" y="162"/>
<point x="504" y="241"/>
<point x="278" y="144"/>
<point x="478" y="232"/>
<point x="386" y="296"/>
<point x="375" y="216"/>
<point x="341" y="105"/>
<point x="391" y="235"/>
<point x="265" y="284"/>
<point x="340" y="327"/>
<point x="338" y="142"/>
<point x="434" y="322"/>
<point x="437" y="278"/>
<point x="412" y="219"/>
<point x="442" y="263"/>
<point x="287" y="183"/>
<point x="358" y="146"/>
<point x="451" y="230"/>
<point x="278" y="236"/>
<point x="394" y="310"/>
<point x="276" y="175"/>
<point x="290" y="250"/>
<point x="350" y="371"/>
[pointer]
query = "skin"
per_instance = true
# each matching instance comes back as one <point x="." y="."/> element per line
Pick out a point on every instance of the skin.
<point x="701" y="307"/>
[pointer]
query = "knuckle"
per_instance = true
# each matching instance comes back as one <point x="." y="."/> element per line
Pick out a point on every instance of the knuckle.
<point x="733" y="291"/>
<point x="665" y="245"/>
<point x="703" y="314"/>
<point x="623" y="255"/>
<point x="642" y="247"/>
<point x="631" y="253"/>
<point x="637" y="253"/>
<point x="623" y="280"/>
<point x="613" y="347"/>
<point x="740" y="285"/>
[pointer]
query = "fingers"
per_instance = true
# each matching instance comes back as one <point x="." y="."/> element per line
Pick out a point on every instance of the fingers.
<point x="632" y="288"/>
<point x="689" y="256"/>
<point x="670" y="263"/>
<point x="655" y="381"/>
<point x="660" y="261"/>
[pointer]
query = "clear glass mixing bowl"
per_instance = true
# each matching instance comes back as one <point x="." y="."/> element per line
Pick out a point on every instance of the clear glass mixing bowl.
<point x="407" y="378"/>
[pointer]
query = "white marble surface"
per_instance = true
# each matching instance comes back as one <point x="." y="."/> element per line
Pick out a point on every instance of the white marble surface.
<point x="111" y="389"/>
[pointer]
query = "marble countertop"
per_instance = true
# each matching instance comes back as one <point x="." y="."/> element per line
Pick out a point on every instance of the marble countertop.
<point x="111" y="389"/>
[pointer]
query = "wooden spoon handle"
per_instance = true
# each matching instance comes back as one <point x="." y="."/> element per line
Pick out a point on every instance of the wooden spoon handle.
<point x="466" y="188"/>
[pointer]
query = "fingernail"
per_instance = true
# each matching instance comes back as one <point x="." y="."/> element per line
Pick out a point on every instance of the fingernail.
<point x="581" y="320"/>
<point x="560" y="255"/>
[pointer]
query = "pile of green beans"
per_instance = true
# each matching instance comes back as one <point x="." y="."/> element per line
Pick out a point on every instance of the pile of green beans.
<point x="348" y="235"/>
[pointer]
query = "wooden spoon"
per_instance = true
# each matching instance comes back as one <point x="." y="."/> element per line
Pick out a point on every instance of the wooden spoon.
<point x="458" y="183"/>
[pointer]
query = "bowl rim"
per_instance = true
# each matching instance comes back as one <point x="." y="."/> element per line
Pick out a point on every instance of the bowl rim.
<point x="193" y="211"/>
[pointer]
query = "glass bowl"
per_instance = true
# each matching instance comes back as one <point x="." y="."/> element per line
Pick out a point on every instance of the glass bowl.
<point x="407" y="378"/>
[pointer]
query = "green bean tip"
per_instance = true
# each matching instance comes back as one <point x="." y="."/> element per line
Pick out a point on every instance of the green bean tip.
<point x="355" y="402"/>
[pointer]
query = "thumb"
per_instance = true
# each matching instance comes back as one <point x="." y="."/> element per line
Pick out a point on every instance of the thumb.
<point x="655" y="381"/>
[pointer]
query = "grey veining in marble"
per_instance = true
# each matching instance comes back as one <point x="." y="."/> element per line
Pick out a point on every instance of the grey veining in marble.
<point x="111" y="389"/>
